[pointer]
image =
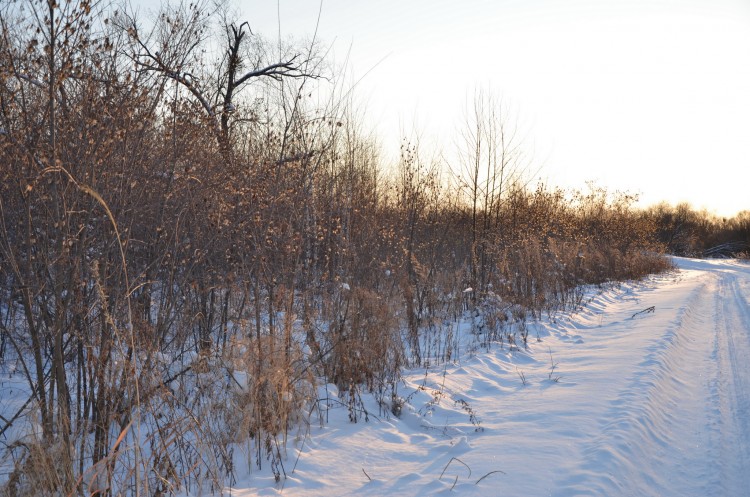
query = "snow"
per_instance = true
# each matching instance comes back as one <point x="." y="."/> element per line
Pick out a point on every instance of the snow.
<point x="610" y="400"/>
<point x="239" y="380"/>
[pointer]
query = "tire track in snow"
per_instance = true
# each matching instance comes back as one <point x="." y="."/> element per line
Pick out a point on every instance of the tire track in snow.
<point x="654" y="439"/>
<point x="733" y="385"/>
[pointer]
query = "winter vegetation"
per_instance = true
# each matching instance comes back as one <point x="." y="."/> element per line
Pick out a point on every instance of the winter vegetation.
<point x="688" y="232"/>
<point x="198" y="236"/>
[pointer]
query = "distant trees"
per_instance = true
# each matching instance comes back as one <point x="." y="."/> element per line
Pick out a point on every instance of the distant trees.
<point x="689" y="232"/>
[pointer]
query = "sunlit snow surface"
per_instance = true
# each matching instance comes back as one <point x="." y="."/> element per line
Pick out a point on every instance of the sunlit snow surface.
<point x="655" y="403"/>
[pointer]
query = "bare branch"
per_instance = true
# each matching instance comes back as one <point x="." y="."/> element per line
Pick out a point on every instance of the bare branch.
<point x="29" y="79"/>
<point x="277" y="71"/>
<point x="185" y="79"/>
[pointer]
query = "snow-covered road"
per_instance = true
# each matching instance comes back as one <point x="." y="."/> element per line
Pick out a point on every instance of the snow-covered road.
<point x="677" y="422"/>
<point x="647" y="403"/>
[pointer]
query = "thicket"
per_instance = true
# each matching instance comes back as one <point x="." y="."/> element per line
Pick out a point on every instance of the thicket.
<point x="192" y="239"/>
<point x="687" y="231"/>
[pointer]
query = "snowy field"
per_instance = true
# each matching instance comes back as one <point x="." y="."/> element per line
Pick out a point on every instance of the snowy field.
<point x="646" y="391"/>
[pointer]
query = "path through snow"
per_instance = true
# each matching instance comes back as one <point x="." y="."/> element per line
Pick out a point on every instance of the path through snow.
<point x="652" y="404"/>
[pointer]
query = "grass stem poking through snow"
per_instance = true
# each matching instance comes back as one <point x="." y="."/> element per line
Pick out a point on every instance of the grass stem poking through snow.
<point x="488" y="474"/>
<point x="553" y="365"/>
<point x="644" y="311"/>
<point x="449" y="463"/>
<point x="522" y="376"/>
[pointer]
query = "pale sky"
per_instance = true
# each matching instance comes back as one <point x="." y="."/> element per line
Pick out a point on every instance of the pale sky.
<point x="652" y="97"/>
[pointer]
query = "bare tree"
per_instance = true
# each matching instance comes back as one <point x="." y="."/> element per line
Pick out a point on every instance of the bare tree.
<point x="172" y="51"/>
<point x="491" y="162"/>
